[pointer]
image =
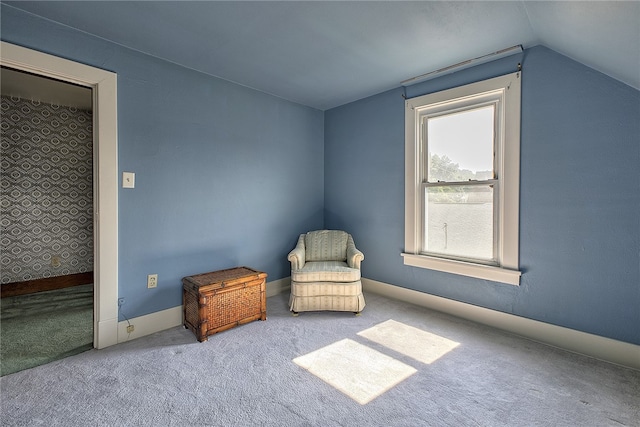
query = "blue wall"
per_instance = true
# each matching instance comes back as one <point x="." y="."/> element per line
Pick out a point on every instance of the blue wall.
<point x="579" y="206"/>
<point x="225" y="175"/>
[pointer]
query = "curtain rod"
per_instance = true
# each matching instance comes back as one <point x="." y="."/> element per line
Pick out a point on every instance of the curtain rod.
<point x="464" y="64"/>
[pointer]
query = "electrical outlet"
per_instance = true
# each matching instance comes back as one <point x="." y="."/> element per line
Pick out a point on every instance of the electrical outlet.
<point x="152" y="281"/>
<point x="130" y="329"/>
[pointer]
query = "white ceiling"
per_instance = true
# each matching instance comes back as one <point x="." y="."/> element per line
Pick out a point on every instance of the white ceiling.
<point x="42" y="89"/>
<point x="324" y="54"/>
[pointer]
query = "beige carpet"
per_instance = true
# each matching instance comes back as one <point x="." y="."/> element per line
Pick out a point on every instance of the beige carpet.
<point x="397" y="365"/>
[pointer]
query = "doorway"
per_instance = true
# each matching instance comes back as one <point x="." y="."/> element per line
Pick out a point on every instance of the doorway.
<point x="105" y="187"/>
<point x="46" y="210"/>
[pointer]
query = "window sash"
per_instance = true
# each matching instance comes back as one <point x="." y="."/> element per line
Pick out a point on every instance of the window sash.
<point x="493" y="259"/>
<point x="492" y="99"/>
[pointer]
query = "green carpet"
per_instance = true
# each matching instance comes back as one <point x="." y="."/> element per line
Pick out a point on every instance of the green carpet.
<point x="39" y="328"/>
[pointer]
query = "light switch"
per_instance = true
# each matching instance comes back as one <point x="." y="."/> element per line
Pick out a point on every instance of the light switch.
<point x="128" y="180"/>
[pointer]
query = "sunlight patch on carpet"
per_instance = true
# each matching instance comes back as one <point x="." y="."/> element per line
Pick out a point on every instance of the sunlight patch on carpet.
<point x="420" y="345"/>
<point x="355" y="369"/>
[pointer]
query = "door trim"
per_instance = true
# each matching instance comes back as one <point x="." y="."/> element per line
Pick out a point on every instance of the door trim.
<point x="105" y="204"/>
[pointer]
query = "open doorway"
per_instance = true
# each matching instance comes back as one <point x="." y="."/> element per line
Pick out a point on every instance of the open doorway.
<point x="105" y="186"/>
<point x="46" y="211"/>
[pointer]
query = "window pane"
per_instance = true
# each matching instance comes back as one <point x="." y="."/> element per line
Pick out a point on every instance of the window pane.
<point x="459" y="221"/>
<point x="461" y="146"/>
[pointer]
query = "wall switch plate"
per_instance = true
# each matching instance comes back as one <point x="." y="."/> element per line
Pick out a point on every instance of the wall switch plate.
<point x="128" y="180"/>
<point x="152" y="281"/>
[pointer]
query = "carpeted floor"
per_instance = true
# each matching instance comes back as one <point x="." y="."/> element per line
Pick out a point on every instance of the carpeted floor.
<point x="45" y="326"/>
<point x="396" y="365"/>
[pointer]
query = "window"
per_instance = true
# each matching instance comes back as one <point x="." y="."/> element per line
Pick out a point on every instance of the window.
<point x="462" y="180"/>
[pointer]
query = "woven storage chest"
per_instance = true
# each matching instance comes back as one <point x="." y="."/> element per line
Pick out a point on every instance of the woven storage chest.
<point x="219" y="300"/>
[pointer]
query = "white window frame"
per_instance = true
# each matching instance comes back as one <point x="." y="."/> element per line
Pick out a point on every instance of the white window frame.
<point x="507" y="89"/>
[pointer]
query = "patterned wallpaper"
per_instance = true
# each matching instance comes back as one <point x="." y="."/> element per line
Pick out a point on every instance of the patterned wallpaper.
<point x="46" y="197"/>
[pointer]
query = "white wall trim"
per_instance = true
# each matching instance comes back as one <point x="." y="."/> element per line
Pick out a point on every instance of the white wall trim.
<point x="278" y="286"/>
<point x="486" y="272"/>
<point x="150" y="323"/>
<point x="602" y="348"/>
<point x="606" y="349"/>
<point x="172" y="317"/>
<point x="105" y="204"/>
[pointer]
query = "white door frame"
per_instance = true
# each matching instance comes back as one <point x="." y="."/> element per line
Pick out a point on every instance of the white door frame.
<point x="105" y="200"/>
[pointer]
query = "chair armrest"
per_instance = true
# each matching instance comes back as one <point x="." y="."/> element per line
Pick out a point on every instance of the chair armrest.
<point x="297" y="255"/>
<point x="354" y="256"/>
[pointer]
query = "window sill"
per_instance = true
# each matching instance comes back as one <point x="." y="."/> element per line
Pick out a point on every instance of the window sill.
<point x="495" y="274"/>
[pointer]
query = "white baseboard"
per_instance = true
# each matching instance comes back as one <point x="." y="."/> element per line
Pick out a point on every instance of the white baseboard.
<point x="172" y="317"/>
<point x="607" y="349"/>
<point x="150" y="324"/>
<point x="105" y="333"/>
<point x="278" y="286"/>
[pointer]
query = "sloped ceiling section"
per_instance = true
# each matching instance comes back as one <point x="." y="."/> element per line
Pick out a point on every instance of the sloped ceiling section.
<point x="325" y="54"/>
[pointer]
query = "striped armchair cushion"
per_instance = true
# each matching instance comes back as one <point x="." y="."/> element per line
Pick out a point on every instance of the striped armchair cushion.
<point x="326" y="245"/>
<point x="325" y="271"/>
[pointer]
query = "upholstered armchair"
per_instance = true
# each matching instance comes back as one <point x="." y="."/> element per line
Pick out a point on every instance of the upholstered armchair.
<point x="325" y="273"/>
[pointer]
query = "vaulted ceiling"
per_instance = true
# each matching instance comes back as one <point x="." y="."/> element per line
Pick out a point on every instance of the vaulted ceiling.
<point x="325" y="54"/>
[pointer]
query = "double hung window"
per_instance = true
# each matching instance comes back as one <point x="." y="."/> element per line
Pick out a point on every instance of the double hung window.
<point x="462" y="180"/>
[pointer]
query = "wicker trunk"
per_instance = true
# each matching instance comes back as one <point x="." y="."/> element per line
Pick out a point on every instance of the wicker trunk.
<point x="219" y="300"/>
